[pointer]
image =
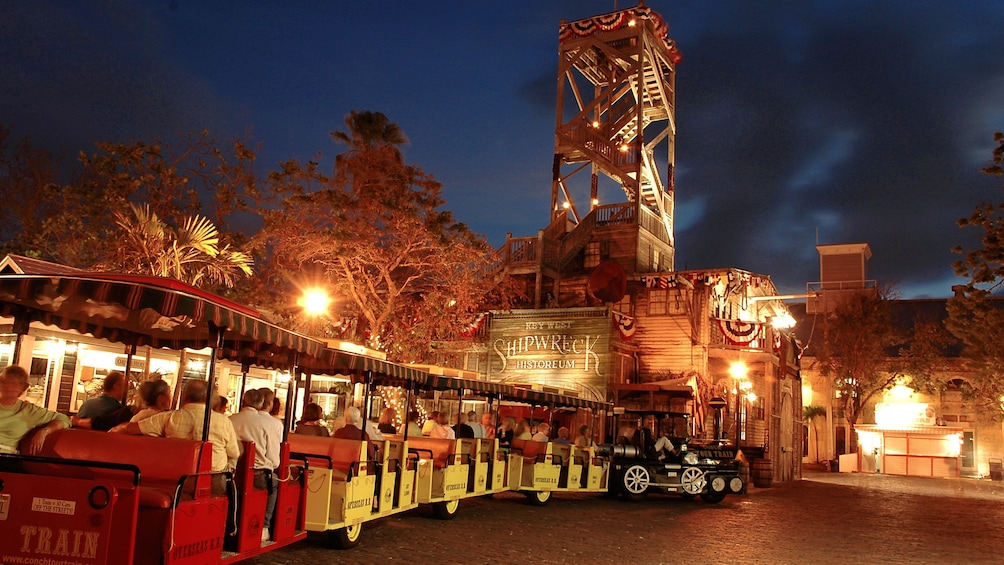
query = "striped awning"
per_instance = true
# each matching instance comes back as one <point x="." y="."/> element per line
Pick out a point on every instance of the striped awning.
<point x="336" y="361"/>
<point x="150" y="311"/>
<point x="442" y="382"/>
<point x="541" y="398"/>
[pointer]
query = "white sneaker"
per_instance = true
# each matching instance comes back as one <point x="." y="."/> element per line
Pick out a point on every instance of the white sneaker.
<point x="264" y="536"/>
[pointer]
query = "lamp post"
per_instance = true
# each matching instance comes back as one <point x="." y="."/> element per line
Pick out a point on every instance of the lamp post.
<point x="738" y="372"/>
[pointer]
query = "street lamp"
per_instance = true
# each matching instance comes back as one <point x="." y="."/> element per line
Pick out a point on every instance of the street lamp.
<point x="738" y="372"/>
<point x="315" y="303"/>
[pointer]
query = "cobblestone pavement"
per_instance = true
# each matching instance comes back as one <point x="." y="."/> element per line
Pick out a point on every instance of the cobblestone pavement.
<point x="827" y="518"/>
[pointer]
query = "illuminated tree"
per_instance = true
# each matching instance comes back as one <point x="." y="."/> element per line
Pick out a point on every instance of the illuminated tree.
<point x="975" y="315"/>
<point x="173" y="180"/>
<point x="864" y="351"/>
<point x="376" y="232"/>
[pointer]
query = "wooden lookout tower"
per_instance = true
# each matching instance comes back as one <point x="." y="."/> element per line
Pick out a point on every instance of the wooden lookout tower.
<point x="615" y="130"/>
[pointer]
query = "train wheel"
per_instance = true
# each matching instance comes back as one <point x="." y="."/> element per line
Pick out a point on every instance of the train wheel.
<point x="539" y="498"/>
<point x="445" y="510"/>
<point x="693" y="481"/>
<point x="345" y="538"/>
<point x="713" y="497"/>
<point x="634" y="482"/>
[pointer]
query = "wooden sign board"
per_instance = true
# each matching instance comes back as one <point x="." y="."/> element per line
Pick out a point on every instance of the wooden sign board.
<point x="567" y="348"/>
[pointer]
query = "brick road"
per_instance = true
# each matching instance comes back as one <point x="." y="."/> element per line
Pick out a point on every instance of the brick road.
<point x="829" y="518"/>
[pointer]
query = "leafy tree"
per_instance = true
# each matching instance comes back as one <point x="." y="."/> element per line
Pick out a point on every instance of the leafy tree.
<point x="176" y="181"/>
<point x="190" y="253"/>
<point x="374" y="232"/>
<point x="25" y="172"/>
<point x="865" y="351"/>
<point x="975" y="314"/>
<point x="813" y="413"/>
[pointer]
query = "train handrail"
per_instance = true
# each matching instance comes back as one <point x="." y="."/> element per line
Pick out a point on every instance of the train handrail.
<point x="353" y="467"/>
<point x="71" y="462"/>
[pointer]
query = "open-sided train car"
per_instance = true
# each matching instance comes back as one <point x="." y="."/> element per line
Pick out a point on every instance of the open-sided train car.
<point x="353" y="481"/>
<point x="99" y="498"/>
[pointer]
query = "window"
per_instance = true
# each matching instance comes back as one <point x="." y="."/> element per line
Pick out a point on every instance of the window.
<point x="593" y="254"/>
<point x="676" y="301"/>
<point x="657" y="302"/>
<point x="624" y="305"/>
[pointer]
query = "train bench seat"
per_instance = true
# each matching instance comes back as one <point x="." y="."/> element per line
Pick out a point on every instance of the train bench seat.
<point x="442" y="451"/>
<point x="164" y="464"/>
<point x="348" y="457"/>
<point x="532" y="451"/>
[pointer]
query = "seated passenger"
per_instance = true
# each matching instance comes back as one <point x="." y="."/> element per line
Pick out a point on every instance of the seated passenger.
<point x="653" y="448"/>
<point x="156" y="394"/>
<point x="505" y="431"/>
<point x="583" y="439"/>
<point x="113" y="390"/>
<point x="475" y="423"/>
<point x="486" y="423"/>
<point x="562" y="436"/>
<point x="414" y="429"/>
<point x="522" y="430"/>
<point x="310" y="421"/>
<point x="386" y="424"/>
<point x="18" y="417"/>
<point x="187" y="423"/>
<point x="543" y="431"/>
<point x="443" y="429"/>
<point x="431" y="422"/>
<point x="353" y="429"/>
<point x="463" y="429"/>
<point x="221" y="404"/>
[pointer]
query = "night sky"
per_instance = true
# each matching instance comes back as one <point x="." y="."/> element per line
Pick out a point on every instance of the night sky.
<point x="798" y="122"/>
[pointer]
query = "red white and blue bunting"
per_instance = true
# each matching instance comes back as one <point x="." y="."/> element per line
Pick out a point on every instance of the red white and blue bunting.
<point x="473" y="327"/>
<point x="617" y="20"/>
<point x="625" y="325"/>
<point x="743" y="334"/>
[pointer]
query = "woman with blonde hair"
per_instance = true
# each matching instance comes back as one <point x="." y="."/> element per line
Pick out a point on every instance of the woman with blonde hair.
<point x="522" y="430"/>
<point x="386" y="424"/>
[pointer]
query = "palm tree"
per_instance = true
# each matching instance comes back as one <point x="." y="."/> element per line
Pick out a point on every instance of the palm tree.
<point x="811" y="413"/>
<point x="190" y="253"/>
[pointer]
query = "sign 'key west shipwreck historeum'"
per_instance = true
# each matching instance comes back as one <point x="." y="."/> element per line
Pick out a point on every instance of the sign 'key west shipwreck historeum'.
<point x="566" y="348"/>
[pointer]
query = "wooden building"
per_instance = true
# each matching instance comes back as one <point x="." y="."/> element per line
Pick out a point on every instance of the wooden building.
<point x="606" y="307"/>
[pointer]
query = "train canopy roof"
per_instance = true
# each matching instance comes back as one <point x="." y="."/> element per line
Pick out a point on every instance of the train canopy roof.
<point x="151" y="311"/>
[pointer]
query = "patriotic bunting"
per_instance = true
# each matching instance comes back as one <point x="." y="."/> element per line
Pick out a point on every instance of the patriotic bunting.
<point x="625" y="325"/>
<point x="744" y="334"/>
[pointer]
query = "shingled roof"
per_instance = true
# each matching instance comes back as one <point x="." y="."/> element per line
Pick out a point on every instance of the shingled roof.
<point x="20" y="265"/>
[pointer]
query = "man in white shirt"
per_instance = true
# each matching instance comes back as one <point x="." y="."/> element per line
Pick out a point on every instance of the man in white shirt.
<point x="253" y="423"/>
<point x="543" y="429"/>
<point x="187" y="423"/>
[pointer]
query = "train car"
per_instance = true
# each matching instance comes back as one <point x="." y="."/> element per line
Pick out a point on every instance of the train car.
<point x="540" y="469"/>
<point x="93" y="497"/>
<point x="351" y="481"/>
<point x="455" y="469"/>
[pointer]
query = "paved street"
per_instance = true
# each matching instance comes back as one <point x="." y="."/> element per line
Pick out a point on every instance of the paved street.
<point x="827" y="518"/>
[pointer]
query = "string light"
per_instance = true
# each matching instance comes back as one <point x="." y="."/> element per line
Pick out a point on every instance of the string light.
<point x="393" y="397"/>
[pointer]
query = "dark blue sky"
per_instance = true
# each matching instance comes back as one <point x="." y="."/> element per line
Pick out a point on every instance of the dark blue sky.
<point x="798" y="123"/>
